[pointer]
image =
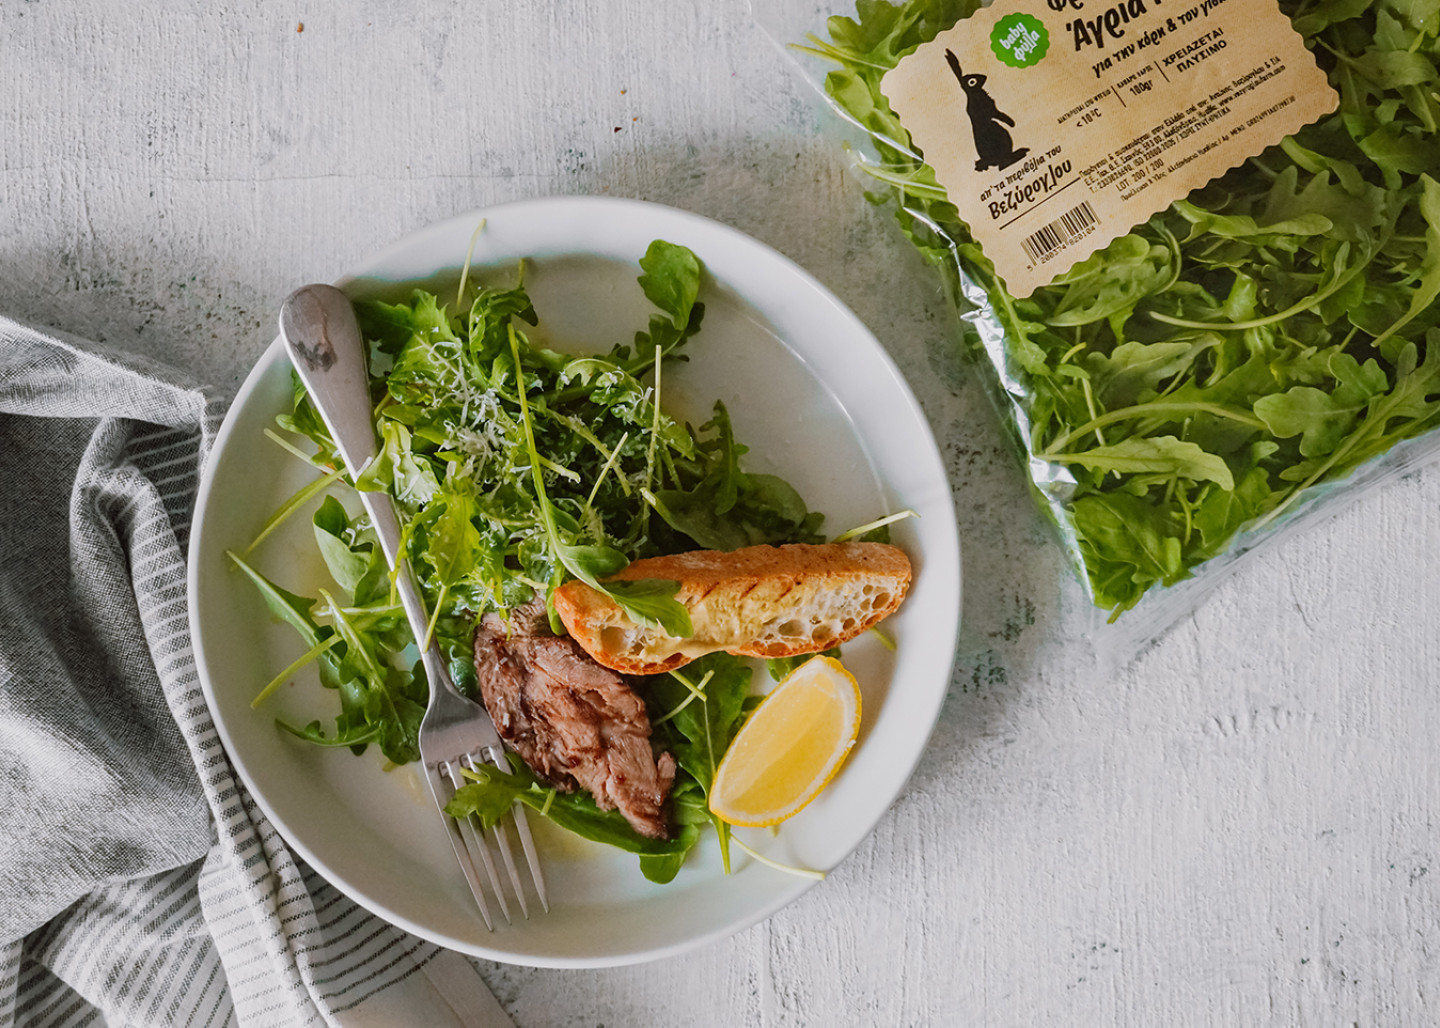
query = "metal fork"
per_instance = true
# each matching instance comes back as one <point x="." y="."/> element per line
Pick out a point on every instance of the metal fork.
<point x="323" y="340"/>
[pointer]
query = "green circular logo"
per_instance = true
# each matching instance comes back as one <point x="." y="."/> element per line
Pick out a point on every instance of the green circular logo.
<point x="1019" y="40"/>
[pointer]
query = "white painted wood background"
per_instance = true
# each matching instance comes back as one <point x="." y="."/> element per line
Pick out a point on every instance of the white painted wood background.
<point x="1236" y="830"/>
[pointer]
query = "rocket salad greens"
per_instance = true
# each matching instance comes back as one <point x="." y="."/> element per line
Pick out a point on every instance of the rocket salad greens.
<point x="516" y="468"/>
<point x="1275" y="330"/>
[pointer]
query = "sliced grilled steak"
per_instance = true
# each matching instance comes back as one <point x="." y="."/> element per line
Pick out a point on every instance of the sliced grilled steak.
<point x="573" y="721"/>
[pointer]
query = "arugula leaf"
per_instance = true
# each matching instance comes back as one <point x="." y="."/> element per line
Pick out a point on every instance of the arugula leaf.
<point x="490" y="794"/>
<point x="451" y="544"/>
<point x="661" y="868"/>
<point x="1136" y="371"/>
<point x="388" y="326"/>
<point x="671" y="280"/>
<point x="779" y="667"/>
<point x="1112" y="280"/>
<point x="284" y="605"/>
<point x="687" y="802"/>
<point x="1321" y="419"/>
<point x="727" y="508"/>
<point x="398" y="470"/>
<point x="1223" y="512"/>
<point x="652" y="601"/>
<point x="452" y="538"/>
<point x="1163" y="455"/>
<point x="1133" y="544"/>
<point x="591" y="563"/>
<point x="352" y="735"/>
<point x="489" y="321"/>
<point x="347" y="563"/>
<point x="376" y="693"/>
<point x="698" y="729"/>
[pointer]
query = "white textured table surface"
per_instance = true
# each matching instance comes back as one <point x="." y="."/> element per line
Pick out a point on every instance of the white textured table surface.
<point x="1235" y="830"/>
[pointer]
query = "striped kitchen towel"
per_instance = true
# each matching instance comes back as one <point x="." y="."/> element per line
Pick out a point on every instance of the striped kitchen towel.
<point x="139" y="884"/>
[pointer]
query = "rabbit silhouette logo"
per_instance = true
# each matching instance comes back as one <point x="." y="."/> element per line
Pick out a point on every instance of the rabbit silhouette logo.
<point x="993" y="146"/>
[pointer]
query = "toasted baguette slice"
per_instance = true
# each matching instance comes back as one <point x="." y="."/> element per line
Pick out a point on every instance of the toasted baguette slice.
<point x="760" y="601"/>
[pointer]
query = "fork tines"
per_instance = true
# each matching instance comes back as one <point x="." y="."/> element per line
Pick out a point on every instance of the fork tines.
<point x="469" y="842"/>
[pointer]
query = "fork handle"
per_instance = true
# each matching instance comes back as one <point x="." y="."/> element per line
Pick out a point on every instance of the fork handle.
<point x="386" y="523"/>
<point x="323" y="340"/>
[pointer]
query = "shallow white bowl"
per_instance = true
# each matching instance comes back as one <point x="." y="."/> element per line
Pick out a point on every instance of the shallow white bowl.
<point x="815" y="398"/>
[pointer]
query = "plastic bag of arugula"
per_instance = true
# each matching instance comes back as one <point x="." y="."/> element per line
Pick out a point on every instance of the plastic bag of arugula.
<point x="516" y="468"/>
<point x="1230" y="370"/>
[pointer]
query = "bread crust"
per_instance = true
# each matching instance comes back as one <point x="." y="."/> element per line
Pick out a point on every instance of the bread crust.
<point x="759" y="601"/>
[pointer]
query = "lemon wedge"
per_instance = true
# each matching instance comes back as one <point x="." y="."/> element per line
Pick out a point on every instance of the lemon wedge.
<point x="790" y="747"/>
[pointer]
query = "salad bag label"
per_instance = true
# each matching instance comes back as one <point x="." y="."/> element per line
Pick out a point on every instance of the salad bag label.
<point x="1057" y="125"/>
<point x="1233" y="367"/>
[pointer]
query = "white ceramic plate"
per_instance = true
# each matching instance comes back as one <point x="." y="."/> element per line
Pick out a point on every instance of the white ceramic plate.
<point x="817" y="401"/>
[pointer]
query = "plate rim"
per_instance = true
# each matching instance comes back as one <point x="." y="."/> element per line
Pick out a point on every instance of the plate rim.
<point x="949" y="564"/>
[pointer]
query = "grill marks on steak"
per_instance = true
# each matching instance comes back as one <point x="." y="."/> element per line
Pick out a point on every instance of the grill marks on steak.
<point x="573" y="721"/>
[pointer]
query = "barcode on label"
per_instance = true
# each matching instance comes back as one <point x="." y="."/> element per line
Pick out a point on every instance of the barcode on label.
<point x="1069" y="226"/>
